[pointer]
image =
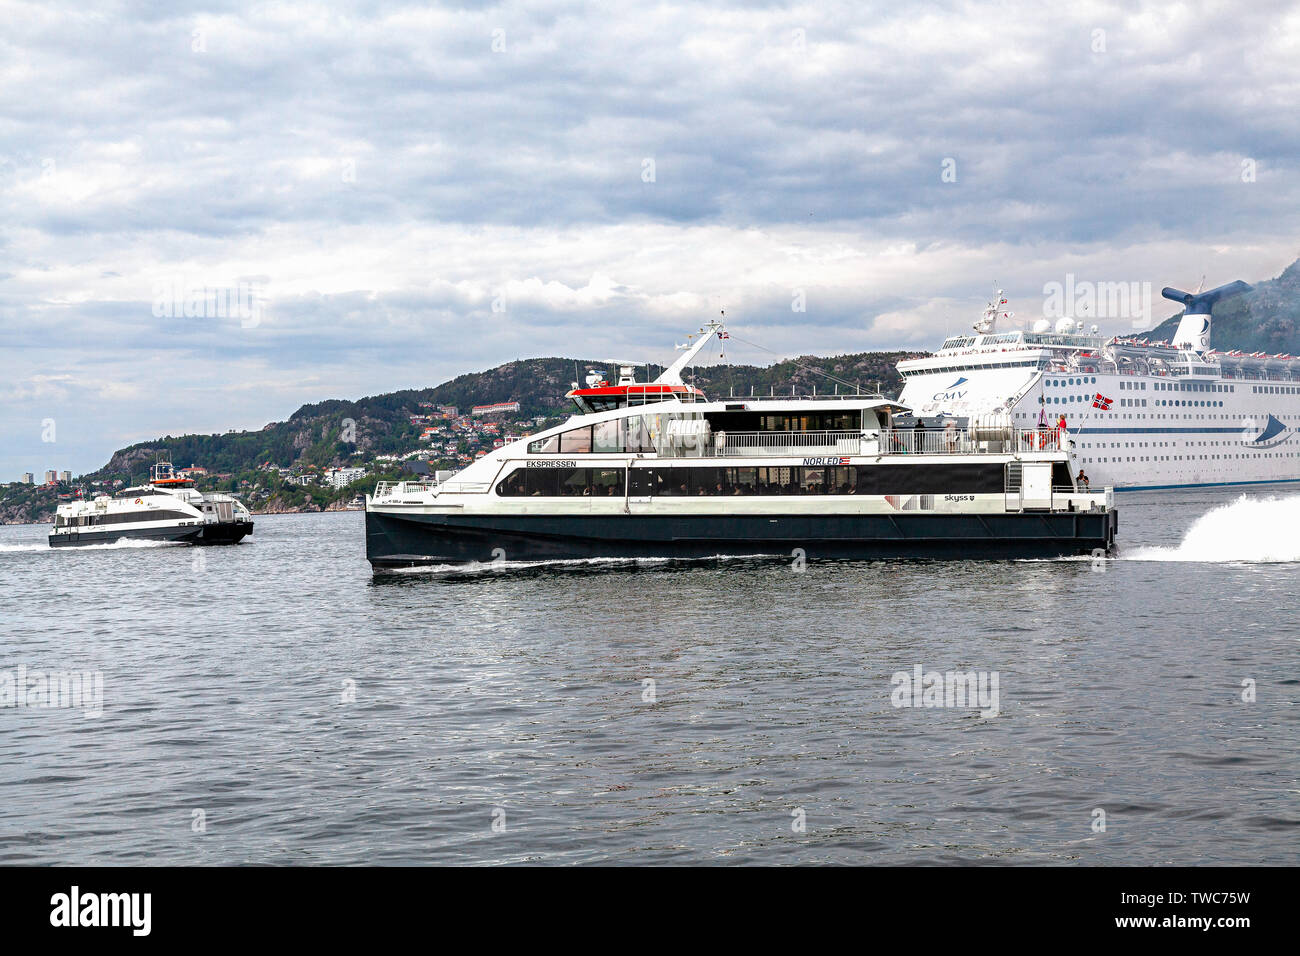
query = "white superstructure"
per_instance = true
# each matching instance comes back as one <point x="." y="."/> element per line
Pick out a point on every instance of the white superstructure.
<point x="1137" y="414"/>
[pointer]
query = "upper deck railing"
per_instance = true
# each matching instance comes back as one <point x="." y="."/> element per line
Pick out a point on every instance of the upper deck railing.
<point x="896" y="441"/>
<point x="724" y="444"/>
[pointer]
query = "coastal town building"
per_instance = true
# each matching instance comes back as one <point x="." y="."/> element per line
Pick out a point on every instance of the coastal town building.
<point x="498" y="408"/>
<point x="342" y="477"/>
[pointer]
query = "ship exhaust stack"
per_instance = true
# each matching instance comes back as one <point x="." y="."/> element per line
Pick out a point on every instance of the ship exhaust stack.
<point x="1194" y="329"/>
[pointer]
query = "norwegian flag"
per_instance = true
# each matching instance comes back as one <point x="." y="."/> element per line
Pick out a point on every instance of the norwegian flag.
<point x="1101" y="401"/>
<point x="724" y="335"/>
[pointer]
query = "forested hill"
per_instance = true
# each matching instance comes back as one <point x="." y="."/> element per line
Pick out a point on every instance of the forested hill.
<point x="313" y="435"/>
<point x="1266" y="319"/>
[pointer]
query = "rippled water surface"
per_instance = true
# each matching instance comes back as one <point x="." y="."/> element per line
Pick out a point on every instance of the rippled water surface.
<point x="522" y="697"/>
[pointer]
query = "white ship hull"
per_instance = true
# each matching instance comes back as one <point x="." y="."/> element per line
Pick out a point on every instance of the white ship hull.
<point x="1158" y="432"/>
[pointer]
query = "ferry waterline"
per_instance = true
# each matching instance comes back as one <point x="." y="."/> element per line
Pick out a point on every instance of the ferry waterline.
<point x="656" y="470"/>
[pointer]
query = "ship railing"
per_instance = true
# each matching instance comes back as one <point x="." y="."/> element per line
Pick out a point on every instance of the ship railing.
<point x="400" y="489"/>
<point x="872" y="395"/>
<point x="408" y="490"/>
<point x="965" y="441"/>
<point x="890" y="441"/>
<point x="729" y="444"/>
<point x="1068" y="498"/>
<point x="725" y="444"/>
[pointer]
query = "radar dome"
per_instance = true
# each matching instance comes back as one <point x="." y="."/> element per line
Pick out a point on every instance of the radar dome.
<point x="1043" y="325"/>
<point x="1064" y="325"/>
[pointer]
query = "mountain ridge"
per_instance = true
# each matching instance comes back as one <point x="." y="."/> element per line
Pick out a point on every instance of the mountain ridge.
<point x="313" y="435"/>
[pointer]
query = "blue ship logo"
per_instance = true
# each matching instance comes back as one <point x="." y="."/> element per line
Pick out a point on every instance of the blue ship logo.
<point x="1273" y="433"/>
<point x="947" y="394"/>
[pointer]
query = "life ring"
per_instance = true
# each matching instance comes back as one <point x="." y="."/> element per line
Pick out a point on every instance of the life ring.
<point x="139" y="501"/>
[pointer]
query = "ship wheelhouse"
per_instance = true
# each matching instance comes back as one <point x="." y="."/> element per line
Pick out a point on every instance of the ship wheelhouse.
<point x="604" y="397"/>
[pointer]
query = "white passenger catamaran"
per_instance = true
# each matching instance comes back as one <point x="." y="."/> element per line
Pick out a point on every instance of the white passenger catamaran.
<point x="655" y="469"/>
<point x="167" y="509"/>
<point x="1138" y="414"/>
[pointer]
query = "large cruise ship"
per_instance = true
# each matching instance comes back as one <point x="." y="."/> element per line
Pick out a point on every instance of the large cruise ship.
<point x="1137" y="414"/>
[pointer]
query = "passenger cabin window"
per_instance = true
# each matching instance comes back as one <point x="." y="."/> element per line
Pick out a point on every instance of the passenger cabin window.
<point x="946" y="478"/>
<point x="562" y="483"/>
<point x="813" y="422"/>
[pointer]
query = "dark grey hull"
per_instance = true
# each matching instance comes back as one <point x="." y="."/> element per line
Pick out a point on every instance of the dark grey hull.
<point x="226" y="532"/>
<point x="409" y="540"/>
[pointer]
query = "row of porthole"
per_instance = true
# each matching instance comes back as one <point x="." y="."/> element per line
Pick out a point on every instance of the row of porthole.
<point x="1084" y="380"/>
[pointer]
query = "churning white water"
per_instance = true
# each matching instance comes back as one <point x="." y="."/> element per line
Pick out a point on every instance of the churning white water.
<point x="1248" y="529"/>
<point x="118" y="545"/>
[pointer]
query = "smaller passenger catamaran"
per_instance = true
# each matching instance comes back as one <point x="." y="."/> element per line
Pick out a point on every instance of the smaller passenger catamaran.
<point x="166" y="509"/>
<point x="656" y="470"/>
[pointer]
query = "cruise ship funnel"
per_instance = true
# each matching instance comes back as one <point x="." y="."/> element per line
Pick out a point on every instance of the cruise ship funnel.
<point x="1194" y="329"/>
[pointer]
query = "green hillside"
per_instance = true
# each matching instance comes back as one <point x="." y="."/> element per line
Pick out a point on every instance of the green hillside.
<point x="314" y="434"/>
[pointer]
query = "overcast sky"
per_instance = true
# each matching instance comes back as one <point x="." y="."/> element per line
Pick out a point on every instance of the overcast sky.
<point x="399" y="193"/>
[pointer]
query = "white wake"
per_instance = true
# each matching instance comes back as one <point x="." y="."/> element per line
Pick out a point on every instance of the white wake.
<point x="1248" y="529"/>
<point x="118" y="545"/>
